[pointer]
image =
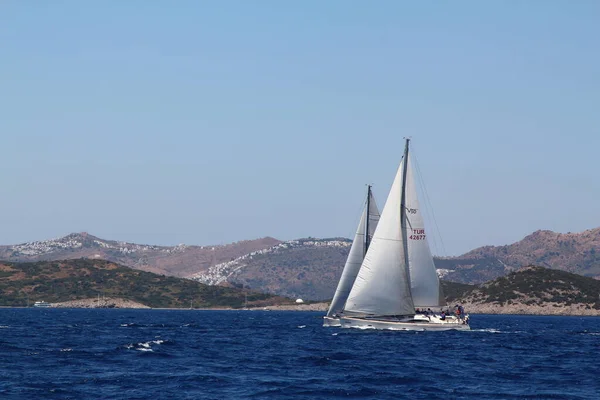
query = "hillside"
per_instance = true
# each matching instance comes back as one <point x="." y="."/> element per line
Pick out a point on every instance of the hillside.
<point x="178" y="260"/>
<point x="455" y="291"/>
<point x="529" y="290"/>
<point x="305" y="268"/>
<point x="534" y="290"/>
<point x="470" y="270"/>
<point x="574" y="252"/>
<point x="310" y="268"/>
<point x="60" y="281"/>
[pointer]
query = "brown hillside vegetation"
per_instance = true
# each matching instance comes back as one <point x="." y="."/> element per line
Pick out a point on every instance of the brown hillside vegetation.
<point x="168" y="260"/>
<point x="574" y="252"/>
<point x="535" y="290"/>
<point x="61" y="281"/>
<point x="310" y="273"/>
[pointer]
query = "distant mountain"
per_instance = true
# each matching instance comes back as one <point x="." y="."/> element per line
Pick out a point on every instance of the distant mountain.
<point x="61" y="281"/>
<point x="178" y="260"/>
<point x="470" y="270"/>
<point x="574" y="252"/>
<point x="528" y="290"/>
<point x="310" y="268"/>
<point x="533" y="290"/>
<point x="306" y="268"/>
<point x="578" y="253"/>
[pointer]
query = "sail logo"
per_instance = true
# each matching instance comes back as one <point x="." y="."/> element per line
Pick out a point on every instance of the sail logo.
<point x="417" y="234"/>
<point x="411" y="210"/>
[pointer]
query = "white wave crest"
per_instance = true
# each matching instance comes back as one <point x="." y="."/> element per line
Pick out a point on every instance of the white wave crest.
<point x="488" y="330"/>
<point x="144" y="346"/>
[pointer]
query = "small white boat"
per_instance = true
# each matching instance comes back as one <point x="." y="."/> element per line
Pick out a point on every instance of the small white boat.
<point x="42" y="304"/>
<point x="397" y="277"/>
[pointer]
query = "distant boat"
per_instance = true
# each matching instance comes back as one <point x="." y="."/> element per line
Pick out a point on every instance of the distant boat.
<point x="397" y="286"/>
<point x="42" y="304"/>
<point x="360" y="244"/>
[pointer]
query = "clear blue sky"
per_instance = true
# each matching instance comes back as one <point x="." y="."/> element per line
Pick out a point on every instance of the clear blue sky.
<point x="210" y="122"/>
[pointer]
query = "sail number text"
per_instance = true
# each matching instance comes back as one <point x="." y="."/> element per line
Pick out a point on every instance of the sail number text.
<point x="417" y="234"/>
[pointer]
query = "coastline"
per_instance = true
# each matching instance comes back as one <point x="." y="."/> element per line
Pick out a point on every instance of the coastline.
<point x="548" y="309"/>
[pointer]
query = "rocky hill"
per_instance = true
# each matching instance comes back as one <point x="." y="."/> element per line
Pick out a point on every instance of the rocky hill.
<point x="574" y="252"/>
<point x="306" y="268"/>
<point x="470" y="270"/>
<point x="178" y="260"/>
<point x="310" y="268"/>
<point x="99" y="283"/>
<point x="532" y="290"/>
<point x="62" y="281"/>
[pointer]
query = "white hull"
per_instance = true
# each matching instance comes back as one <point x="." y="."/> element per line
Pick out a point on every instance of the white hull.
<point x="331" y="322"/>
<point x="407" y="324"/>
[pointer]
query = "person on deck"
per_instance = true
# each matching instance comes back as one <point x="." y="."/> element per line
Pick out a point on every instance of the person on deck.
<point x="460" y="311"/>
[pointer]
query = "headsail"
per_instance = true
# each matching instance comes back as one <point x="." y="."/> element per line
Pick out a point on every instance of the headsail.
<point x="356" y="255"/>
<point x="425" y="285"/>
<point x="382" y="286"/>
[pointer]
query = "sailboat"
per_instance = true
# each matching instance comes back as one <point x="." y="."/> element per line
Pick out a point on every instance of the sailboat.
<point x="397" y="278"/>
<point x="360" y="244"/>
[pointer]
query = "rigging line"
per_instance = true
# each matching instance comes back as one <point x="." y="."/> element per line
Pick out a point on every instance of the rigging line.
<point x="430" y="205"/>
<point x="430" y="212"/>
<point x="428" y="200"/>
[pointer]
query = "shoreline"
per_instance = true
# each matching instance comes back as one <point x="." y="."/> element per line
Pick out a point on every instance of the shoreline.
<point x="296" y="309"/>
<point x="547" y="309"/>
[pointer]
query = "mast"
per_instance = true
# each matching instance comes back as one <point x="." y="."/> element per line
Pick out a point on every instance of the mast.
<point x="367" y="238"/>
<point x="403" y="214"/>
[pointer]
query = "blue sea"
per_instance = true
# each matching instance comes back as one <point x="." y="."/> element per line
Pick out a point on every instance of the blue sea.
<point x="191" y="354"/>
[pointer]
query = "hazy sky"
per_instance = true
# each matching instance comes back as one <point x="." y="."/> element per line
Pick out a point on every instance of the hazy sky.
<point x="210" y="122"/>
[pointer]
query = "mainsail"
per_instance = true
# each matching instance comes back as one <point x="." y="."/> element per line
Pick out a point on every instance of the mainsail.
<point x="382" y="284"/>
<point x="356" y="255"/>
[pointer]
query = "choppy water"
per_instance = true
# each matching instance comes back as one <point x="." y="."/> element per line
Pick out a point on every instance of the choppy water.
<point x="158" y="354"/>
